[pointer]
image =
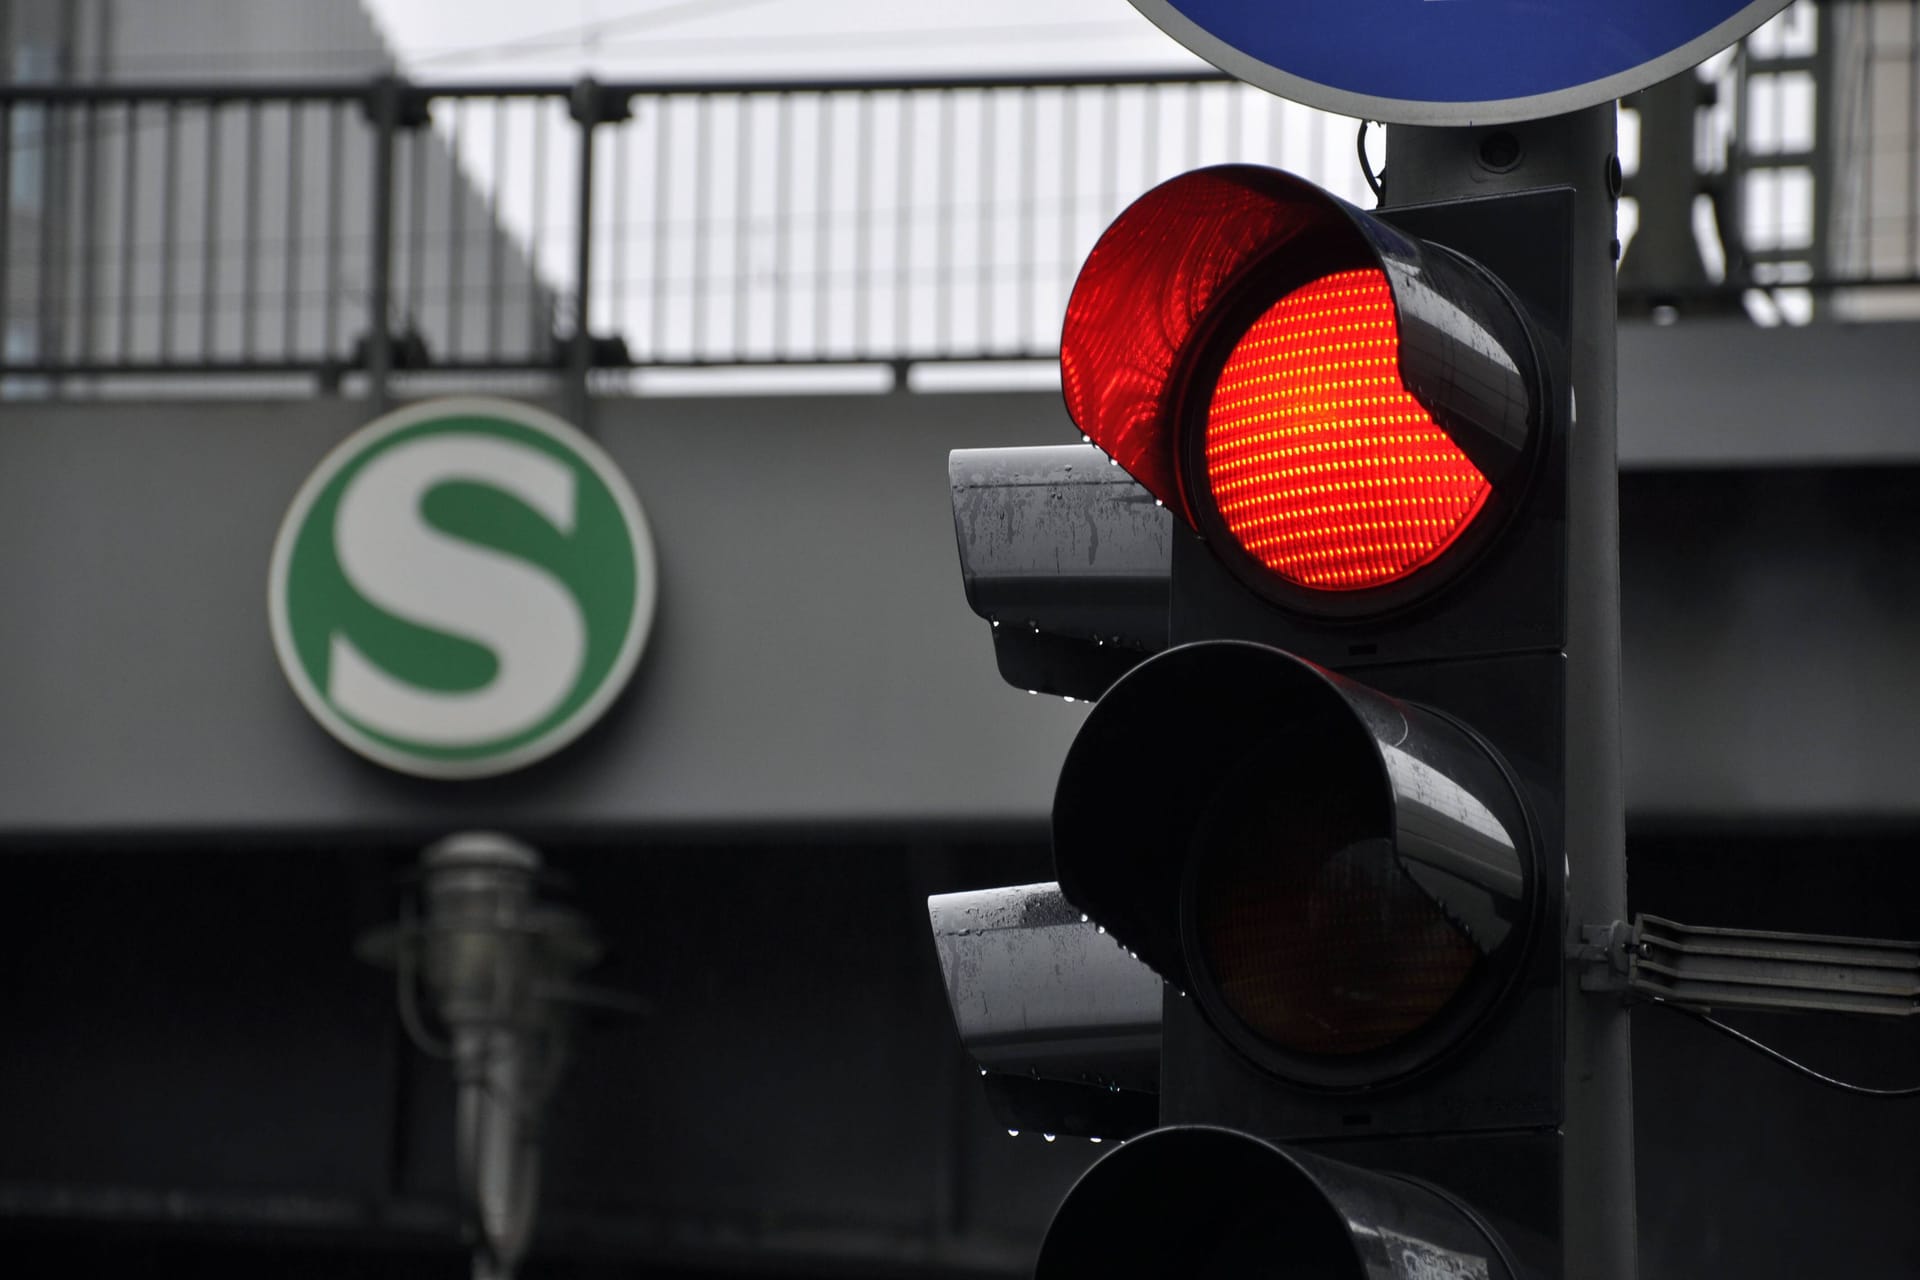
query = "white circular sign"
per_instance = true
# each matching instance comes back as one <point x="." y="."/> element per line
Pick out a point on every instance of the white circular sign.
<point x="462" y="587"/>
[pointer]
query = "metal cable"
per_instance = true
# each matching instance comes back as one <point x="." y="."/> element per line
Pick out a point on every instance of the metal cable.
<point x="1907" y="1091"/>
<point x="1374" y="180"/>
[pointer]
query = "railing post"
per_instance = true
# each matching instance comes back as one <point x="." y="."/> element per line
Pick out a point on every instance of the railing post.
<point x="383" y="110"/>
<point x="392" y="105"/>
<point x="591" y="106"/>
<point x="1828" y="131"/>
<point x="6" y="209"/>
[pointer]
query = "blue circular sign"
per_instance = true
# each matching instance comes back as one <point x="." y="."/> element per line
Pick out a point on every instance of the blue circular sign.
<point x="1455" y="61"/>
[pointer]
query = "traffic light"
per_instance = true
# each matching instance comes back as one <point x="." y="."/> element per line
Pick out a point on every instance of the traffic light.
<point x="1330" y="814"/>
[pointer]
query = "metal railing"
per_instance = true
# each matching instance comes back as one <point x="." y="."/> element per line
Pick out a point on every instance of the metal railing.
<point x="1740" y="223"/>
<point x="1870" y="225"/>
<point x="243" y="230"/>
<point x="261" y="229"/>
<point x="370" y="231"/>
<point x="1812" y="158"/>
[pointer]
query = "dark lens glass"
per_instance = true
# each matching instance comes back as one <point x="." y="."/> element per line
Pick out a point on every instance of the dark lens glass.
<point x="1312" y="934"/>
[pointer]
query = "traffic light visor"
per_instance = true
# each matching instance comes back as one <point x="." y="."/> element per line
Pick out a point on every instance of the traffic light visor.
<point x="1342" y="881"/>
<point x="1337" y="405"/>
<point x="1211" y="1203"/>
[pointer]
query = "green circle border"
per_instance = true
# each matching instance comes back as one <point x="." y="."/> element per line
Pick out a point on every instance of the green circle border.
<point x="612" y="684"/>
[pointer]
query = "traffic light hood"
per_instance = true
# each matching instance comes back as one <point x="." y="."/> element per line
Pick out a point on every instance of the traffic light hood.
<point x="1204" y="1202"/>
<point x="1342" y="880"/>
<point x="1182" y="272"/>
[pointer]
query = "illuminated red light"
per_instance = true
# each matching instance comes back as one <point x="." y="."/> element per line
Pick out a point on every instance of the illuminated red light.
<point x="1321" y="464"/>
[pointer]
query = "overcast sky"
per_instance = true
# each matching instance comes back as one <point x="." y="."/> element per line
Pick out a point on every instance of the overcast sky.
<point x="678" y="39"/>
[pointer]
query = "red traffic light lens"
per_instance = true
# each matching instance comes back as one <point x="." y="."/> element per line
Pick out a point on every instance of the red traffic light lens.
<point x="1323" y="467"/>
<point x="1347" y="413"/>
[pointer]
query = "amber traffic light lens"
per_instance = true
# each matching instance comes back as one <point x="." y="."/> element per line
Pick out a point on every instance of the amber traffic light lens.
<point x="1313" y="935"/>
<point x="1323" y="467"/>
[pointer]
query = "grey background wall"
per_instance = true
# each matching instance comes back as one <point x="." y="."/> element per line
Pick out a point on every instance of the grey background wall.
<point x="813" y="657"/>
<point x="814" y="660"/>
<point x="816" y="739"/>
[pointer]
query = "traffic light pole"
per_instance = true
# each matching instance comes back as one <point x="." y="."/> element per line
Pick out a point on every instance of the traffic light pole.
<point x="1426" y="164"/>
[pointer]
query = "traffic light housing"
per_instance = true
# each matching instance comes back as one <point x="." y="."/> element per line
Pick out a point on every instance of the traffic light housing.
<point x="1331" y="814"/>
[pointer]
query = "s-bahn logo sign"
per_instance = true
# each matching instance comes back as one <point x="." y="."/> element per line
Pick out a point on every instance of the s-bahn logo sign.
<point x="462" y="587"/>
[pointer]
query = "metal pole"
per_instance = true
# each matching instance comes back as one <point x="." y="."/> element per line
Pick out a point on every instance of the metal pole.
<point x="1427" y="164"/>
<point x="384" y="105"/>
